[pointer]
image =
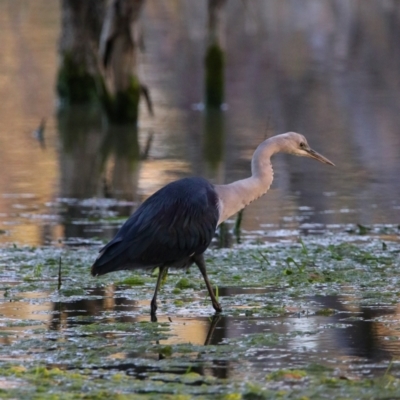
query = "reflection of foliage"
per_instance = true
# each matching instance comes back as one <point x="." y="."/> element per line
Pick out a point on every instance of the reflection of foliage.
<point x="214" y="63"/>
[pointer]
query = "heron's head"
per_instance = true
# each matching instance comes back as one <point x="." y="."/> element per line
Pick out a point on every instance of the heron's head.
<point x="296" y="144"/>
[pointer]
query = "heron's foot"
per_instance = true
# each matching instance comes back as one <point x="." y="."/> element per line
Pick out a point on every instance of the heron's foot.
<point x="217" y="307"/>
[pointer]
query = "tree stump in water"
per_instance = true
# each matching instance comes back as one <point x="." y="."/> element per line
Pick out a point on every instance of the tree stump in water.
<point x="81" y="23"/>
<point x="118" y="53"/>
<point x="214" y="59"/>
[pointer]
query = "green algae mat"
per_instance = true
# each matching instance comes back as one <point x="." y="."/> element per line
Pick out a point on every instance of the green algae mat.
<point x="314" y="319"/>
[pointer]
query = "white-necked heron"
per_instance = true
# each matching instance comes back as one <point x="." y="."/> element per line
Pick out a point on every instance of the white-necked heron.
<point x="175" y="225"/>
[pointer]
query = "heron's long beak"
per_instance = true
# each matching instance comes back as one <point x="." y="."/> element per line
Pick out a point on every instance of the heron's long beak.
<point x="313" y="154"/>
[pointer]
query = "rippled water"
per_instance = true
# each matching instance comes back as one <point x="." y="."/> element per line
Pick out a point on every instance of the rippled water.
<point x="355" y="340"/>
<point x="327" y="69"/>
<point x="329" y="82"/>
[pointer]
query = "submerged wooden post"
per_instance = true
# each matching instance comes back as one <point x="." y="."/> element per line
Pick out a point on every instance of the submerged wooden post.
<point x="215" y="58"/>
<point x="118" y="53"/>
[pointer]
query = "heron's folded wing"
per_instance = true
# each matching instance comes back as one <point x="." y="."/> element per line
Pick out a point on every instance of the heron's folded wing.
<point x="168" y="226"/>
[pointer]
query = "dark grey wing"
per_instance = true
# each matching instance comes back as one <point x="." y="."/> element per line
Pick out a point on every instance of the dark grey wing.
<point x="177" y="221"/>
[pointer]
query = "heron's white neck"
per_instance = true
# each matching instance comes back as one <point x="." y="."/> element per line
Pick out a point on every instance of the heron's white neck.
<point x="237" y="195"/>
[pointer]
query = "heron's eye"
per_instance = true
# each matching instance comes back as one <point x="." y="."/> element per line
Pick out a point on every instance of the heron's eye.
<point x="302" y="145"/>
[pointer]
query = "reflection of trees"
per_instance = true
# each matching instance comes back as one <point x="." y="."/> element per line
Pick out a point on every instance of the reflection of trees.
<point x="326" y="69"/>
<point x="215" y="57"/>
<point x="122" y="147"/>
<point x="81" y="137"/>
<point x="361" y="337"/>
<point x="94" y="162"/>
<point x="72" y="313"/>
<point x="353" y="331"/>
<point x="214" y="141"/>
<point x="85" y="150"/>
<point x="213" y="155"/>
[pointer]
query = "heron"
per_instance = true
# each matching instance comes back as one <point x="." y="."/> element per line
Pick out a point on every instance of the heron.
<point x="174" y="226"/>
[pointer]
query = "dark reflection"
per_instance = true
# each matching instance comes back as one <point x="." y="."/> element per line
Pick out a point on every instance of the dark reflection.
<point x="69" y="314"/>
<point x="315" y="338"/>
<point x="237" y="229"/>
<point x="121" y="146"/>
<point x="362" y="337"/>
<point x="140" y="371"/>
<point x="214" y="142"/>
<point x="227" y="234"/>
<point x="96" y="160"/>
<point x="224" y="236"/>
<point x="213" y="154"/>
<point x="81" y="164"/>
<point x="234" y="290"/>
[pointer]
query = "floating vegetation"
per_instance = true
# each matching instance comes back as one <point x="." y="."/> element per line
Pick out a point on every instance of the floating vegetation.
<point x="291" y="313"/>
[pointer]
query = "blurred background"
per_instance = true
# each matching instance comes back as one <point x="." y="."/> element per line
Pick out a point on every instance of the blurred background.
<point x="215" y="79"/>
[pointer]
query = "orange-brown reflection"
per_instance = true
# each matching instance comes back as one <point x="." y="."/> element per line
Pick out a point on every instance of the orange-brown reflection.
<point x="326" y="70"/>
<point x="27" y="68"/>
<point x="354" y="333"/>
<point x="116" y="308"/>
<point x="16" y="313"/>
<point x="374" y="323"/>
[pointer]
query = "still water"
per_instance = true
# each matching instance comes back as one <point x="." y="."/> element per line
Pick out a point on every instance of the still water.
<point x="329" y="70"/>
<point x="354" y="340"/>
<point x="310" y="70"/>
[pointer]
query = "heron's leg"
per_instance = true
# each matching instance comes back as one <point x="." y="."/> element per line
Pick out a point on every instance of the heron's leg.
<point x="153" y="303"/>
<point x="199" y="260"/>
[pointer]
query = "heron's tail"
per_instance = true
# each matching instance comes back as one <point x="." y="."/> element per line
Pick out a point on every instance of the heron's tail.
<point x="117" y="255"/>
<point x="112" y="257"/>
<point x="100" y="269"/>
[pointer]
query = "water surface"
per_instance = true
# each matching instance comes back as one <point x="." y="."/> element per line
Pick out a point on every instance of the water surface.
<point x="308" y="70"/>
<point x="329" y="70"/>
